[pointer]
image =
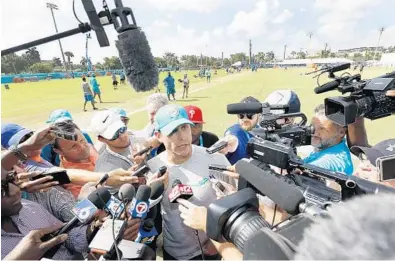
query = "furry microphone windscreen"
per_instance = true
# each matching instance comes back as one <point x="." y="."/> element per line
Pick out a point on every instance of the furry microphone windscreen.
<point x="360" y="229"/>
<point x="137" y="60"/>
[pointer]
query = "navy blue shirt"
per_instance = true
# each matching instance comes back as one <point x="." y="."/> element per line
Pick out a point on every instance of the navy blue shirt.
<point x="243" y="137"/>
<point x="51" y="156"/>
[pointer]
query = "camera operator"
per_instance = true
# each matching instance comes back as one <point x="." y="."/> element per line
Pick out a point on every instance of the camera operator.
<point x="362" y="228"/>
<point x="328" y="140"/>
<point x="367" y="168"/>
<point x="238" y="135"/>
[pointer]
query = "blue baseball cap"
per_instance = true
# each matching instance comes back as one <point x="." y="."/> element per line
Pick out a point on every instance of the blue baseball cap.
<point x="169" y="117"/>
<point x="284" y="97"/>
<point x="59" y="116"/>
<point x="12" y="134"/>
<point x="121" y="112"/>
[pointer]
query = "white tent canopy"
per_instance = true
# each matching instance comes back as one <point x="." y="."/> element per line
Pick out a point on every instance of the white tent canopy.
<point x="387" y="59"/>
<point x="237" y="64"/>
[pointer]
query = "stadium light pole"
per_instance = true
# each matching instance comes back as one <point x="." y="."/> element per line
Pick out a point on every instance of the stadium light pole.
<point x="310" y="34"/>
<point x="381" y="30"/>
<point x="52" y="7"/>
<point x="285" y="51"/>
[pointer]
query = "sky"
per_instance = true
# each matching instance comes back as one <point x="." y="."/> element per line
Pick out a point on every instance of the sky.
<point x="210" y="26"/>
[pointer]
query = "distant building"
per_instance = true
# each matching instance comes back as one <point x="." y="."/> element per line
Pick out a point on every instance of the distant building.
<point x="360" y="50"/>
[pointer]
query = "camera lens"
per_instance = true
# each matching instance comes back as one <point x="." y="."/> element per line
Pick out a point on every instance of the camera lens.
<point x="242" y="224"/>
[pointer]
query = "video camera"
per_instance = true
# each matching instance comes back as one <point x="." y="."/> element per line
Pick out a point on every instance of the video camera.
<point x="271" y="128"/>
<point x="367" y="97"/>
<point x="302" y="193"/>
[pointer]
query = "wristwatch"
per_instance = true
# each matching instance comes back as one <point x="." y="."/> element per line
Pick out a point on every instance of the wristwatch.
<point x="18" y="152"/>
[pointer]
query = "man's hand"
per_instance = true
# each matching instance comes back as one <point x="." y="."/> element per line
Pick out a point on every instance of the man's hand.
<point x="232" y="172"/>
<point x="233" y="143"/>
<point x="24" y="182"/>
<point x="366" y="170"/>
<point x="38" y="140"/>
<point x="194" y="216"/>
<point x="390" y="93"/>
<point x="132" y="229"/>
<point x="137" y="160"/>
<point x="120" y="176"/>
<point x="32" y="248"/>
<point x="164" y="178"/>
<point x="87" y="189"/>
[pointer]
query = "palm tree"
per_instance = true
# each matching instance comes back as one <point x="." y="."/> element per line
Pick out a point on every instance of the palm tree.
<point x="293" y="54"/>
<point x="260" y="57"/>
<point x="69" y="55"/>
<point x="56" y="61"/>
<point x="33" y="55"/>
<point x="83" y="61"/>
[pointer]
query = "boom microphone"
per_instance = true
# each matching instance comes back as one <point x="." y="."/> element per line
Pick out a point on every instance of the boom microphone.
<point x="134" y="50"/>
<point x="180" y="191"/>
<point x="250" y="107"/>
<point x="329" y="86"/>
<point x="286" y="196"/>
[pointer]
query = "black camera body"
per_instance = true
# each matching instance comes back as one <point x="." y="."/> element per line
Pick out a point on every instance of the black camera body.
<point x="367" y="99"/>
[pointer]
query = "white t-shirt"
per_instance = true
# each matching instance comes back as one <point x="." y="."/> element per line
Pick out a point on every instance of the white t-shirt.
<point x="179" y="240"/>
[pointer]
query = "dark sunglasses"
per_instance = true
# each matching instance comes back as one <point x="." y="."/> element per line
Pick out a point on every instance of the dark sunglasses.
<point x="119" y="133"/>
<point x="5" y="184"/>
<point x="26" y="137"/>
<point x="249" y="116"/>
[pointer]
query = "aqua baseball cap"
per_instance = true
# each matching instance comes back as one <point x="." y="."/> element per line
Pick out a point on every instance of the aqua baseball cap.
<point x="170" y="117"/>
<point x="60" y="115"/>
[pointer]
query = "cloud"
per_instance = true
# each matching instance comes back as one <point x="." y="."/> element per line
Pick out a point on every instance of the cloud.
<point x="302" y="9"/>
<point x="255" y="23"/>
<point x="161" y="23"/>
<point x="283" y="17"/>
<point x="200" y="6"/>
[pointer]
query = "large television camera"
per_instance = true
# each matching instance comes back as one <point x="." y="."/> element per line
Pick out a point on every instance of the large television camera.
<point x="302" y="193"/>
<point x="283" y="127"/>
<point x="367" y="97"/>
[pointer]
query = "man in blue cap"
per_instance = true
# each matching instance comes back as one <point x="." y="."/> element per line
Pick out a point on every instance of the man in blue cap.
<point x="48" y="152"/>
<point x="187" y="163"/>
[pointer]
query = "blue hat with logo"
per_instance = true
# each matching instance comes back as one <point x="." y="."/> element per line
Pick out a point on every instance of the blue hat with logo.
<point x="12" y="134"/>
<point x="59" y="116"/>
<point x="169" y="117"/>
<point x="121" y="112"/>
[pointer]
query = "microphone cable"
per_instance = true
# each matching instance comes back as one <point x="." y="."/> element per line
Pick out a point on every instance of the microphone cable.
<point x="200" y="244"/>
<point x="113" y="231"/>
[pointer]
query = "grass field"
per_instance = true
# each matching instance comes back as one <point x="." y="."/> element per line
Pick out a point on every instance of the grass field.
<point x="29" y="104"/>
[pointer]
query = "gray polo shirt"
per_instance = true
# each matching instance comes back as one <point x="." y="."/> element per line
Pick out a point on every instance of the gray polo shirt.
<point x="179" y="240"/>
<point x="109" y="160"/>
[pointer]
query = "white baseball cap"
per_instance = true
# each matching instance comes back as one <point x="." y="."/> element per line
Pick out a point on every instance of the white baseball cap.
<point x="106" y="124"/>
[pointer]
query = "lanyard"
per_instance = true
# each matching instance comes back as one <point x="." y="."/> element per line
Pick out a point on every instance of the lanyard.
<point x="201" y="141"/>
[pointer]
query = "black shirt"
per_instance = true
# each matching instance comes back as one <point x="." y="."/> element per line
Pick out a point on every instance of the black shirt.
<point x="209" y="139"/>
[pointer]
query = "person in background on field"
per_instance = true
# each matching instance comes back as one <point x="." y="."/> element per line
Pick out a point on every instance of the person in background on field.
<point x="95" y="87"/>
<point x="114" y="81"/>
<point x="186" y="86"/>
<point x="48" y="152"/>
<point x="122" y="78"/>
<point x="87" y="94"/>
<point x="170" y="86"/>
<point x="208" y="75"/>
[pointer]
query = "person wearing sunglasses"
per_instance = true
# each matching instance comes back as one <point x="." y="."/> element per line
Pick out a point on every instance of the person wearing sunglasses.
<point x="238" y="135"/>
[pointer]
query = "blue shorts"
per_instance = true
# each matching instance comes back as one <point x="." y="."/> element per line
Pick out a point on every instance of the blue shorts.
<point x="88" y="97"/>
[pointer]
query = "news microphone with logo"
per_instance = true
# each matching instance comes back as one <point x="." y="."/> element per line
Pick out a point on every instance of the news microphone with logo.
<point x="134" y="51"/>
<point x="147" y="232"/>
<point x="83" y="212"/>
<point x="140" y="204"/>
<point x="115" y="206"/>
<point x="180" y="190"/>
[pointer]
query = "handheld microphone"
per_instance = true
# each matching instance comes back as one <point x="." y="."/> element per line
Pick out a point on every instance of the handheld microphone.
<point x="102" y="180"/>
<point x="147" y="232"/>
<point x="134" y="50"/>
<point x="329" y="86"/>
<point x="180" y="191"/>
<point x="116" y="205"/>
<point x="157" y="189"/>
<point x="286" y="196"/>
<point x="140" y="204"/>
<point x="162" y="170"/>
<point x="143" y="151"/>
<point x="217" y="147"/>
<point x="83" y="211"/>
<point x="141" y="171"/>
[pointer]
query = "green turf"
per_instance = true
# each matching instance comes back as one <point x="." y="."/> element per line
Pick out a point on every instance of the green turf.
<point x="24" y="100"/>
<point x="30" y="103"/>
